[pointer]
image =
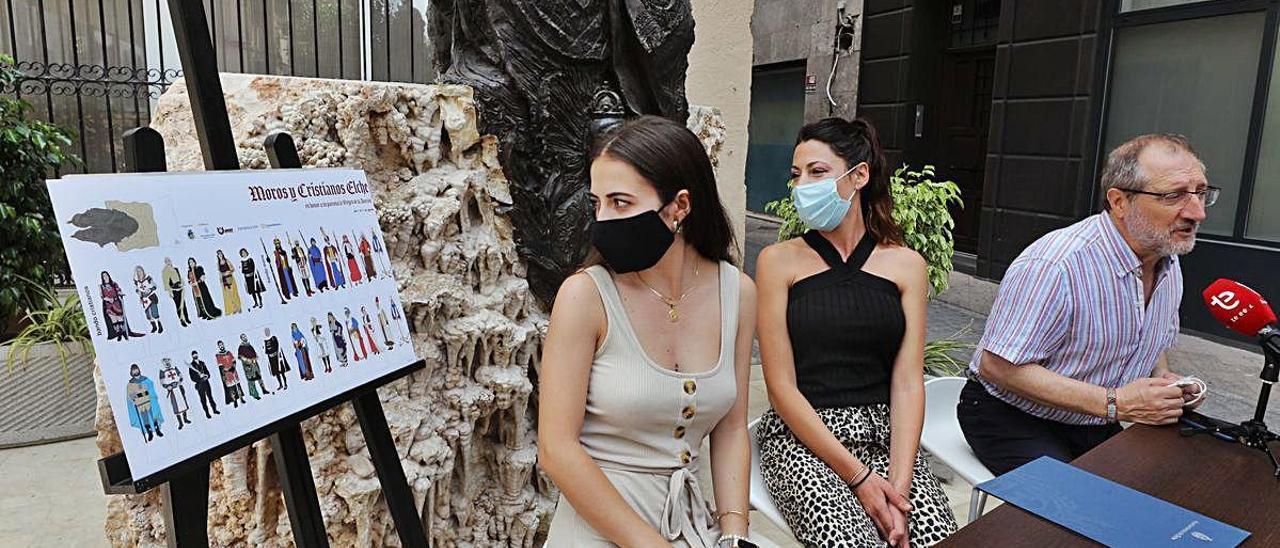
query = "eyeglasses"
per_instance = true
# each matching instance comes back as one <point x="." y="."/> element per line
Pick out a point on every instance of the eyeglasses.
<point x="1179" y="198"/>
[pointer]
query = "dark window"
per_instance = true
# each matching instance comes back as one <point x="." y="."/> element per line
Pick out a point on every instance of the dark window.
<point x="974" y="23"/>
<point x="1193" y="77"/>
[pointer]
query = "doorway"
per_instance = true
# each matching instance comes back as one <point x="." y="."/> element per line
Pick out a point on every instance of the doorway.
<point x="777" y="113"/>
<point x="964" y="116"/>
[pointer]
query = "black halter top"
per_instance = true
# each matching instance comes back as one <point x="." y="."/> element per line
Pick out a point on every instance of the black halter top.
<point x="846" y="327"/>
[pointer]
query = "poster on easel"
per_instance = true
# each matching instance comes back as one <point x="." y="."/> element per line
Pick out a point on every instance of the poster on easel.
<point x="220" y="302"/>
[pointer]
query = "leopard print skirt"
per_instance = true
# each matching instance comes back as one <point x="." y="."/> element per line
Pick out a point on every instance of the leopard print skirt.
<point x="820" y="507"/>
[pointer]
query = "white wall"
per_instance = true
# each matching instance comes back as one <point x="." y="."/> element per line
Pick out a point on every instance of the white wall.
<point x="720" y="76"/>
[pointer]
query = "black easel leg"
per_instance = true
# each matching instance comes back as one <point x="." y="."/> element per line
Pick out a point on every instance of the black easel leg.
<point x="200" y="70"/>
<point x="386" y="460"/>
<point x="186" y="509"/>
<point x="294" y="469"/>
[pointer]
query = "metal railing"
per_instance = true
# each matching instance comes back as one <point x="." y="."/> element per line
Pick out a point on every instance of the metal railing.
<point x="97" y="66"/>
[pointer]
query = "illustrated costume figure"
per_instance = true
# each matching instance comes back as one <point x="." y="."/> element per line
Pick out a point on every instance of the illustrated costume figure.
<point x="205" y="308"/>
<point x="382" y="322"/>
<point x="171" y="380"/>
<point x="252" y="369"/>
<point x="113" y="310"/>
<point x="230" y="289"/>
<point x="284" y="273"/>
<point x="301" y="353"/>
<point x="230" y="378"/>
<point x="140" y="400"/>
<point x="173" y="282"/>
<point x="353" y="267"/>
<point x="322" y="348"/>
<point x="200" y="377"/>
<point x="146" y="288"/>
<point x="334" y="262"/>
<point x="368" y="331"/>
<point x="252" y="281"/>
<point x="277" y="362"/>
<point x="358" y="349"/>
<point x="367" y="252"/>
<point x="339" y="343"/>
<point x="318" y="271"/>
<point x="300" y="258"/>
<point x="377" y="250"/>
<point x="395" y="317"/>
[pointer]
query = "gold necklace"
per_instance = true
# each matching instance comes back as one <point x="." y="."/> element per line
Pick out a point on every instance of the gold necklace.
<point x="673" y="314"/>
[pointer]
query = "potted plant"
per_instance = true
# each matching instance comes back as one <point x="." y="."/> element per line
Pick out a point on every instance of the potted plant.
<point x="33" y="407"/>
<point x="30" y="247"/>
<point x="920" y="206"/>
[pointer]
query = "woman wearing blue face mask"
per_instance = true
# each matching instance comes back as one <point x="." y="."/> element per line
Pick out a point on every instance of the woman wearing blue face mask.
<point x="841" y="326"/>
<point x="648" y="354"/>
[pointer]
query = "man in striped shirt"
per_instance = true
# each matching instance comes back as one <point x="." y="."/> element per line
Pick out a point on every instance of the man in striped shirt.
<point x="1076" y="339"/>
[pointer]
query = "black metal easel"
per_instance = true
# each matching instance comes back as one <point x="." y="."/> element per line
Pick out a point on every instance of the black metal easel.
<point x="186" y="484"/>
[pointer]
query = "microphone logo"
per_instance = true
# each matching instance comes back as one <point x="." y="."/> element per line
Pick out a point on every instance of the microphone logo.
<point x="1225" y="300"/>
<point x="1237" y="307"/>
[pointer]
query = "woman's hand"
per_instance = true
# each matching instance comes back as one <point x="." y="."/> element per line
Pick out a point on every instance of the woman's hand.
<point x="902" y="484"/>
<point x="887" y="508"/>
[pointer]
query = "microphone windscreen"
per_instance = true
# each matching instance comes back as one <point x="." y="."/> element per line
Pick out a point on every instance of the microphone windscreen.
<point x="1237" y="307"/>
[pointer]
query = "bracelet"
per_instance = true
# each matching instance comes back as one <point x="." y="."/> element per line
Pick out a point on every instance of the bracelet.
<point x="744" y="515"/>
<point x="860" y="482"/>
<point x="858" y="473"/>
<point x="734" y="541"/>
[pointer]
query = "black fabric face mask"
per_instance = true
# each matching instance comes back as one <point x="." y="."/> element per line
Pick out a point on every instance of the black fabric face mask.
<point x="633" y="243"/>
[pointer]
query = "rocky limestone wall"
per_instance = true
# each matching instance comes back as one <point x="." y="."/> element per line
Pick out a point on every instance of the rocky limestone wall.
<point x="465" y="424"/>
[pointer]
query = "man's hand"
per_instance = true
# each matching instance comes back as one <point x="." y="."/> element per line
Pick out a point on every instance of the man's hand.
<point x="1189" y="392"/>
<point x="1149" y="401"/>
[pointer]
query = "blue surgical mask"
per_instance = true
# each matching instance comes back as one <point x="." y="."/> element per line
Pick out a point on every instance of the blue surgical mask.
<point x="819" y="203"/>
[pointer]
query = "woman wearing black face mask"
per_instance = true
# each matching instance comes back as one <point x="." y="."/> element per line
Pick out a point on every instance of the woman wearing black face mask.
<point x="649" y="352"/>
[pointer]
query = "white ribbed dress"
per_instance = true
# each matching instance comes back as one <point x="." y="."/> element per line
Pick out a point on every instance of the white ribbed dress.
<point x="645" y="423"/>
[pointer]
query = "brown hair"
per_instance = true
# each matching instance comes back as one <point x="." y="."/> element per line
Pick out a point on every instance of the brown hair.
<point x="856" y="142"/>
<point x="671" y="158"/>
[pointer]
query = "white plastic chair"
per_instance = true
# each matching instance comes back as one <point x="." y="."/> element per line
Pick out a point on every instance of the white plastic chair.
<point x="760" y="499"/>
<point x="943" y="438"/>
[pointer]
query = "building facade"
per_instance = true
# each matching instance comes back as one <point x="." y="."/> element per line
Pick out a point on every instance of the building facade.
<point x="1018" y="101"/>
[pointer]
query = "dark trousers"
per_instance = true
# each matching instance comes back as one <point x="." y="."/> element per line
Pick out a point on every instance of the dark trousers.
<point x="180" y="305"/>
<point x="206" y="396"/>
<point x="1004" y="437"/>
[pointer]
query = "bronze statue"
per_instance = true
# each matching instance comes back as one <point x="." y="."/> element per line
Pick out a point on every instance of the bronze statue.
<point x="548" y="76"/>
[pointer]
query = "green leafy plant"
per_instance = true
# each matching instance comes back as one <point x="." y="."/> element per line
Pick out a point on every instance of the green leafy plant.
<point x="29" y="244"/>
<point x="61" y="324"/>
<point x="948" y="357"/>
<point x="920" y="207"/>
<point x="785" y="209"/>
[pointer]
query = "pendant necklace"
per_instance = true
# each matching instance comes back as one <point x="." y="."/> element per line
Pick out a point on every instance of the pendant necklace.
<point x="673" y="314"/>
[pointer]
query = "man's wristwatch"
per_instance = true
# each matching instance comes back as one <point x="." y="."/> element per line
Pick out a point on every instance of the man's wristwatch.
<point x="1111" y="405"/>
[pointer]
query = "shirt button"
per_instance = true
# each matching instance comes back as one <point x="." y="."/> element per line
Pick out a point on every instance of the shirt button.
<point x="690" y="387"/>
<point x="688" y="412"/>
<point x="679" y="432"/>
<point x="685" y="457"/>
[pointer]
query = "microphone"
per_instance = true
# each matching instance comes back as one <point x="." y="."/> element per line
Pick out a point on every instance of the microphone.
<point x="1240" y="309"/>
<point x="1244" y="311"/>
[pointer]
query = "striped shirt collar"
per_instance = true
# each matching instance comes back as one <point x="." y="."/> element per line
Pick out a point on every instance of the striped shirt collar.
<point x="1122" y="257"/>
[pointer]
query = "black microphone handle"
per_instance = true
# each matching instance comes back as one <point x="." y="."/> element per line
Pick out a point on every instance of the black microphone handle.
<point x="1269" y="338"/>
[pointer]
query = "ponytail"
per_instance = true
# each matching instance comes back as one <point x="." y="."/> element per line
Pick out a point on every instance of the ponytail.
<point x="855" y="142"/>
